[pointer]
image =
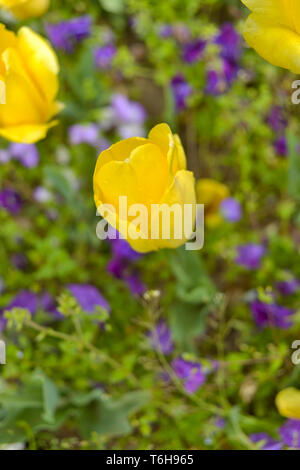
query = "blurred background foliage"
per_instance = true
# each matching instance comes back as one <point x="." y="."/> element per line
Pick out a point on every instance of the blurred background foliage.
<point x="75" y="380"/>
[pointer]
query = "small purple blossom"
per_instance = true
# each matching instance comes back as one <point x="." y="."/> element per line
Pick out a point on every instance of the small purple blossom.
<point x="220" y="422"/>
<point x="193" y="51"/>
<point x="134" y="284"/>
<point x="88" y="297"/>
<point x="67" y="34"/>
<point x="121" y="248"/>
<point x="48" y="304"/>
<point x="27" y="154"/>
<point x="10" y="201"/>
<point x="120" y="266"/>
<point x="24" y="299"/>
<point x="281" y="146"/>
<point x="267" y="442"/>
<point x="190" y="372"/>
<point x="288" y="287"/>
<point x="29" y="300"/>
<point x="166" y="31"/>
<point x="215" y="84"/>
<point x="290" y="433"/>
<point x="271" y="314"/>
<point x="231" y="210"/>
<point x="250" y="255"/>
<point x="128" y="111"/>
<point x="19" y="261"/>
<point x="42" y="195"/>
<point x="84" y="134"/>
<point x="181" y="91"/>
<point x="104" y="56"/>
<point x="219" y="81"/>
<point x="161" y="338"/>
<point x="5" y="156"/>
<point x="230" y="42"/>
<point x="277" y="119"/>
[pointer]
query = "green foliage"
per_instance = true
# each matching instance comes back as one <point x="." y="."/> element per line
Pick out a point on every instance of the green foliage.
<point x="77" y="379"/>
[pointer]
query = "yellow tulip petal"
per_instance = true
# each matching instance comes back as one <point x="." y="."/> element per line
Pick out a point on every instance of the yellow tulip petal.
<point x="26" y="134"/>
<point x="41" y="62"/>
<point x="181" y="157"/>
<point x="275" y="10"/>
<point x="277" y="44"/>
<point x="116" y="179"/>
<point x="119" y="151"/>
<point x="288" y="403"/>
<point x="151" y="170"/>
<point x="24" y="104"/>
<point x="182" y="191"/>
<point x="24" y="9"/>
<point x="7" y="39"/>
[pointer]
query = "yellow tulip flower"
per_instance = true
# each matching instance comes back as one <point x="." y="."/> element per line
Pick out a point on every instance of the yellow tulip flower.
<point x="273" y="30"/>
<point x="288" y="403"/>
<point x="29" y="71"/>
<point x="23" y="9"/>
<point x="148" y="172"/>
<point x="211" y="193"/>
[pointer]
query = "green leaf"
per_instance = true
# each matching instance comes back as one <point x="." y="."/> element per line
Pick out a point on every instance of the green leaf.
<point x="187" y="322"/>
<point x="113" y="6"/>
<point x="106" y="416"/>
<point x="294" y="168"/>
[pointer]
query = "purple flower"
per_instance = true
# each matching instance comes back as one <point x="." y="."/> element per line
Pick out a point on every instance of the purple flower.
<point x="192" y="51"/>
<point x="19" y="261"/>
<point x="288" y="287"/>
<point x="10" y="200"/>
<point x="219" y="81"/>
<point x="290" y="433"/>
<point x="276" y="119"/>
<point x="281" y="146"/>
<point x="166" y="31"/>
<point x="117" y="267"/>
<point x="67" y="34"/>
<point x="250" y="255"/>
<point x="181" y="91"/>
<point x="84" y="134"/>
<point x="231" y="209"/>
<point x="24" y="299"/>
<point x="48" y="304"/>
<point x="88" y="297"/>
<point x="32" y="302"/>
<point x="121" y="248"/>
<point x="215" y="84"/>
<point x="120" y="264"/>
<point x="190" y="372"/>
<point x="134" y="284"/>
<point x="267" y="442"/>
<point x="42" y="194"/>
<point x="230" y="42"/>
<point x="126" y="111"/>
<point x="104" y="56"/>
<point x="220" y="422"/>
<point x="265" y="314"/>
<point x="230" y="70"/>
<point x="4" y="156"/>
<point x="161" y="338"/>
<point x="27" y="154"/>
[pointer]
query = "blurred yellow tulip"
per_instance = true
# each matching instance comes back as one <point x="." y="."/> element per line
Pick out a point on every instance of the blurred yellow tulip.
<point x="24" y="9"/>
<point x="288" y="403"/>
<point x="211" y="193"/>
<point x="29" y="71"/>
<point x="273" y="30"/>
<point x="148" y="172"/>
